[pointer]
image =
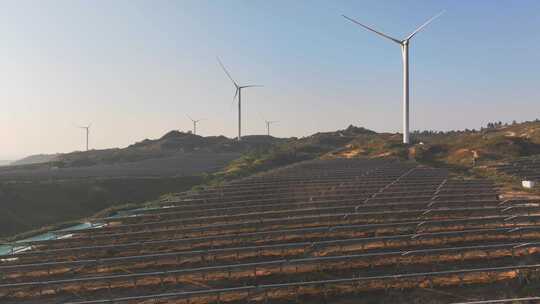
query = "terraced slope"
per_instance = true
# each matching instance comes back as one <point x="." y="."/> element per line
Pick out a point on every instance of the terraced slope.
<point x="324" y="231"/>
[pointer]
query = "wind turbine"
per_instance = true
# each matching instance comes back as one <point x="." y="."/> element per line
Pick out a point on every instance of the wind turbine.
<point x="268" y="123"/>
<point x="87" y="128"/>
<point x="195" y="124"/>
<point x="238" y="93"/>
<point x="404" y="43"/>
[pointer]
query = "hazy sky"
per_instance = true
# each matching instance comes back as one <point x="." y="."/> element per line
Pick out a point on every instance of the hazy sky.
<point x="134" y="69"/>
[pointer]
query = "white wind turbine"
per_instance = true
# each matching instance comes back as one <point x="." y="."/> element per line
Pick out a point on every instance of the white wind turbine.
<point x="195" y="122"/>
<point x="238" y="93"/>
<point x="87" y="128"/>
<point x="268" y="123"/>
<point x="404" y="43"/>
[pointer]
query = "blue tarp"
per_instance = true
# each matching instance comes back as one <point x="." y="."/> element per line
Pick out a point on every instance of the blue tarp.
<point x="7" y="249"/>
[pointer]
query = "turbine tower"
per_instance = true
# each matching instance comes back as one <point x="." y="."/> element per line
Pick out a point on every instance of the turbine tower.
<point x="195" y="122"/>
<point x="268" y="123"/>
<point x="87" y="128"/>
<point x="238" y="93"/>
<point x="404" y="43"/>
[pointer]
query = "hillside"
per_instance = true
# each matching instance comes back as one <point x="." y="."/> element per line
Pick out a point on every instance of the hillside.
<point x="322" y="144"/>
<point x="35" y="159"/>
<point x="471" y="153"/>
<point x="158" y="164"/>
<point x="504" y="153"/>
<point x="487" y="147"/>
<point x="75" y="185"/>
<point x="170" y="144"/>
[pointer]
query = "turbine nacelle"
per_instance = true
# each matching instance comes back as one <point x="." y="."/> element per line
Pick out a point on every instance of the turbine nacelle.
<point x="239" y="88"/>
<point x="195" y="120"/>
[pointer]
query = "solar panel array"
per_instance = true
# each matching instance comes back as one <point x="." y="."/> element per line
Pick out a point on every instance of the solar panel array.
<point x="526" y="168"/>
<point x="323" y="229"/>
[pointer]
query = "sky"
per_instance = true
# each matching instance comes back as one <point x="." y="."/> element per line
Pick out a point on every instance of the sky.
<point x="136" y="69"/>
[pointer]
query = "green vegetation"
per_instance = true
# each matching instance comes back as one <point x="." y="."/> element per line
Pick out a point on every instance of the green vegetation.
<point x="469" y="153"/>
<point x="284" y="153"/>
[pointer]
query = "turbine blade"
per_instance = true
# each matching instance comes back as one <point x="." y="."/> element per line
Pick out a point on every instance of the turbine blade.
<point x="236" y="93"/>
<point x="227" y="72"/>
<point x="190" y="117"/>
<point x="424" y="25"/>
<point x="373" y="30"/>
<point x="252" y="86"/>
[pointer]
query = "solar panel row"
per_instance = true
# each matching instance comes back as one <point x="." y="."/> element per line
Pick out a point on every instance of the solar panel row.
<point x="526" y="168"/>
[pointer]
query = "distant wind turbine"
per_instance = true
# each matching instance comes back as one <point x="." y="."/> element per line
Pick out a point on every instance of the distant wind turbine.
<point x="268" y="123"/>
<point x="404" y="43"/>
<point x="238" y="93"/>
<point x="87" y="128"/>
<point x="195" y="122"/>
